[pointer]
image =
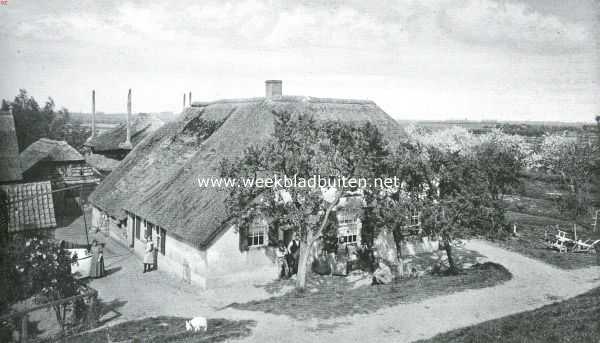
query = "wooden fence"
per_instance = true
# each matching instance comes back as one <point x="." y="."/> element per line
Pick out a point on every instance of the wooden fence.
<point x="23" y="315"/>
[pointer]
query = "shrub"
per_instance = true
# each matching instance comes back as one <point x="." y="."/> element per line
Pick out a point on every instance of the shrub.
<point x="365" y="258"/>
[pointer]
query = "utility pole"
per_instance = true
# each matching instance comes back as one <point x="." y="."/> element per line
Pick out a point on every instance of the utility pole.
<point x="82" y="205"/>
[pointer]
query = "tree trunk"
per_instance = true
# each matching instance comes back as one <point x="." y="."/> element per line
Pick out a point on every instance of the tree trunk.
<point x="305" y="248"/>
<point x="398" y="242"/>
<point x="452" y="267"/>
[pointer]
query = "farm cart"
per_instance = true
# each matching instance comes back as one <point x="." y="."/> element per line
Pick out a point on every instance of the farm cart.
<point x="560" y="242"/>
<point x="563" y="243"/>
<point x="588" y="246"/>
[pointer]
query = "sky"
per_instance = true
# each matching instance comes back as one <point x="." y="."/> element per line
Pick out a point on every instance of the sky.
<point x="418" y="60"/>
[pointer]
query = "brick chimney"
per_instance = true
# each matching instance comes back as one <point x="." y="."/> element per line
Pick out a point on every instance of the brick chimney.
<point x="127" y="143"/>
<point x="93" y="114"/>
<point x="273" y="88"/>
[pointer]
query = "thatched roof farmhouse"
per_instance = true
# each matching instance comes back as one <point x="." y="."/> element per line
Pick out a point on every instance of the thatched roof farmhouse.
<point x="155" y="191"/>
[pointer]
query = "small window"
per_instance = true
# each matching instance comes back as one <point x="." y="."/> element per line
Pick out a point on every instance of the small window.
<point x="257" y="235"/>
<point x="346" y="218"/>
<point x="414" y="218"/>
<point x="348" y="238"/>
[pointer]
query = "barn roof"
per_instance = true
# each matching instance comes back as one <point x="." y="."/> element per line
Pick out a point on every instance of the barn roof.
<point x="101" y="162"/>
<point x="142" y="125"/>
<point x="45" y="149"/>
<point x="30" y="206"/>
<point x="10" y="165"/>
<point x="158" y="178"/>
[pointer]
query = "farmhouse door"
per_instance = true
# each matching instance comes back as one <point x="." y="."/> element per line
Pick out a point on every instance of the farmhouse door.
<point x="287" y="237"/>
<point x="163" y="238"/>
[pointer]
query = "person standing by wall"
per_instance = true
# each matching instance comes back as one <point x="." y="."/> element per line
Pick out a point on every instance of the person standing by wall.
<point x="97" y="263"/>
<point x="149" y="255"/>
<point x="293" y="254"/>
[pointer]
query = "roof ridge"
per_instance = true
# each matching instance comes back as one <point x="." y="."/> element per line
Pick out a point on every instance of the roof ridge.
<point x="285" y="98"/>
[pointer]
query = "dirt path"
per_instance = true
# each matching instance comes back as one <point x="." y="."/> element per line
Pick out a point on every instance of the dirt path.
<point x="534" y="284"/>
<point x="133" y="295"/>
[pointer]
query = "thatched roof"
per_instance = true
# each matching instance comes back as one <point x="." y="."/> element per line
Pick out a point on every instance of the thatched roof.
<point x="10" y="166"/>
<point x="45" y="149"/>
<point x="30" y="206"/>
<point x="101" y="163"/>
<point x="142" y="125"/>
<point x="157" y="179"/>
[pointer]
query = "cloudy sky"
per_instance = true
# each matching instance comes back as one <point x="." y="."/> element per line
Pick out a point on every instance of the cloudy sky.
<point x="430" y="59"/>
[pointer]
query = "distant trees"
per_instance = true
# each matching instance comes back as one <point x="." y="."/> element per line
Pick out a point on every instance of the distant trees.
<point x="502" y="159"/>
<point x="533" y="130"/>
<point x="576" y="164"/>
<point x="33" y="122"/>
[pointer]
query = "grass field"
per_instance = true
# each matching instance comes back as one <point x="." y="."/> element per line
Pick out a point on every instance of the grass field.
<point x="530" y="242"/>
<point x="536" y="210"/>
<point x="573" y="320"/>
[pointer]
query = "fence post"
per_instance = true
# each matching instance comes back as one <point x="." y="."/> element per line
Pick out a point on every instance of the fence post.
<point x="24" y="328"/>
<point x="92" y="320"/>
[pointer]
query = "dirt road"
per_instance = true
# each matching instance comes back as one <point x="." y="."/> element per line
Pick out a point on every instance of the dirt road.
<point x="534" y="284"/>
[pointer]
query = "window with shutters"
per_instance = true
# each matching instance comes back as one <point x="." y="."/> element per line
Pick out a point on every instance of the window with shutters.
<point x="348" y="232"/>
<point x="258" y="234"/>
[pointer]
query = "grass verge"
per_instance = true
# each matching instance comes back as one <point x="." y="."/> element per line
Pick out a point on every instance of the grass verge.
<point x="167" y="329"/>
<point x="335" y="296"/>
<point x="573" y="320"/>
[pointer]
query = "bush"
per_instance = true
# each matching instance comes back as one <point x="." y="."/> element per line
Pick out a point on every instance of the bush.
<point x="321" y="266"/>
<point x="365" y="259"/>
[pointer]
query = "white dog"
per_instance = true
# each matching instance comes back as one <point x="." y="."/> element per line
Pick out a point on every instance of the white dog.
<point x="196" y="324"/>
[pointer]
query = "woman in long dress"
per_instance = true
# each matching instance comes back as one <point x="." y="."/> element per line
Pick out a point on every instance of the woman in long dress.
<point x="149" y="255"/>
<point x="97" y="263"/>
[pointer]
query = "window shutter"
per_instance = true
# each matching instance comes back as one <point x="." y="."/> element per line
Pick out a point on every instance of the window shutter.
<point x="243" y="234"/>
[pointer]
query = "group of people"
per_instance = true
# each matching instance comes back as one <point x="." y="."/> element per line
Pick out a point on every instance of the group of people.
<point x="150" y="255"/>
<point x="97" y="264"/>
